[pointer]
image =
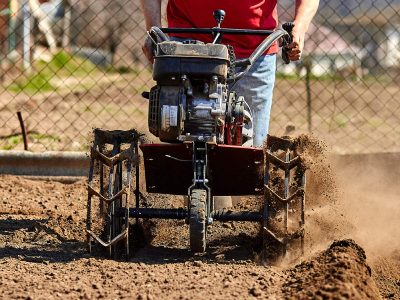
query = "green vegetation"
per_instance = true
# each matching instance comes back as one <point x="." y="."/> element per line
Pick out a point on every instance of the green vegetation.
<point x="325" y="77"/>
<point x="292" y="76"/>
<point x="376" y="122"/>
<point x="13" y="141"/>
<point x="341" y="120"/>
<point x="382" y="79"/>
<point x="52" y="75"/>
<point x="61" y="66"/>
<point x="65" y="64"/>
<point x="33" y="83"/>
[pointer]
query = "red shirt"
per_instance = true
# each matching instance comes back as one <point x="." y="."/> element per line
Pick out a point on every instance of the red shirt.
<point x="247" y="14"/>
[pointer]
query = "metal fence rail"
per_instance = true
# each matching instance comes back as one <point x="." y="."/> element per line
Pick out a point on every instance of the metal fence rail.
<point x="70" y="66"/>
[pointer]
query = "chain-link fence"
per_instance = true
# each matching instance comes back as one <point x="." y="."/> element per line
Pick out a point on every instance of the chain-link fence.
<point x="70" y="65"/>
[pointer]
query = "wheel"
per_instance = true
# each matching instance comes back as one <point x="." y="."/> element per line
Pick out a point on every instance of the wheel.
<point x="197" y="220"/>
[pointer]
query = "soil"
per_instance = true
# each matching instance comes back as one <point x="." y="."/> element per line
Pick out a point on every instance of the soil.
<point x="43" y="255"/>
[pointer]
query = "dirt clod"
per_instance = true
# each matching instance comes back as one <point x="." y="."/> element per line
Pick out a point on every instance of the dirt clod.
<point x="339" y="271"/>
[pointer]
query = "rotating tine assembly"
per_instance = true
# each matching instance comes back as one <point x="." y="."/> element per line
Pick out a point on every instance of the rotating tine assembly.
<point x="113" y="158"/>
<point x="284" y="205"/>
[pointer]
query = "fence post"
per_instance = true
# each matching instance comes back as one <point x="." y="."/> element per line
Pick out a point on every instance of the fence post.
<point x="26" y="36"/>
<point x="11" y="27"/>
<point x="308" y="64"/>
<point x="66" y="25"/>
<point x="4" y="14"/>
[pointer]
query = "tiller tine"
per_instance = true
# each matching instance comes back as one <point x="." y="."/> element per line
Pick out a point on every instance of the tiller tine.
<point x="284" y="206"/>
<point x="112" y="156"/>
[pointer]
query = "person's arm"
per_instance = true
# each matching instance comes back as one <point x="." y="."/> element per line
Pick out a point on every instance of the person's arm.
<point x="305" y="11"/>
<point x="152" y="17"/>
<point x="152" y="12"/>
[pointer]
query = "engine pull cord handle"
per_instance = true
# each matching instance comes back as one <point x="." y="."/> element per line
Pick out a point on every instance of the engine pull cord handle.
<point x="286" y="41"/>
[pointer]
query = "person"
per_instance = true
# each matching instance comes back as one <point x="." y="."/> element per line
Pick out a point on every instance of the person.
<point x="257" y="85"/>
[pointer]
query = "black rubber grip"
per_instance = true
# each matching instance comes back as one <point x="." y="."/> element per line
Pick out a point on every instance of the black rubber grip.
<point x="287" y="40"/>
<point x="146" y="95"/>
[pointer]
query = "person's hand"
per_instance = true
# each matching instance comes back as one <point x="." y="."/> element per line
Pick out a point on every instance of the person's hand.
<point x="295" y="49"/>
<point x="147" y="49"/>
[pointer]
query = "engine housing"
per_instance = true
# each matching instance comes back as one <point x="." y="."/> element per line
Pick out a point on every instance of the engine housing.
<point x="191" y="101"/>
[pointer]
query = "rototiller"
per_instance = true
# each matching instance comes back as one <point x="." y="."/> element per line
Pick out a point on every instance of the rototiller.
<point x="206" y="149"/>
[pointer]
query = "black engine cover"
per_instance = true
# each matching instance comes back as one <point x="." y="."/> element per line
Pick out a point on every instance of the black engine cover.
<point x="197" y="60"/>
<point x="166" y="115"/>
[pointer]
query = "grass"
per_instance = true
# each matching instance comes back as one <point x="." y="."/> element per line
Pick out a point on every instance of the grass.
<point x="376" y="122"/>
<point x="65" y="64"/>
<point x="341" y="120"/>
<point x="325" y="77"/>
<point x="62" y="65"/>
<point x="47" y="75"/>
<point x="381" y="78"/>
<point x="13" y="141"/>
<point x="38" y="82"/>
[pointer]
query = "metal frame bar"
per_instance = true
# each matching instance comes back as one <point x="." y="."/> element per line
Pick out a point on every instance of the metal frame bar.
<point x="182" y="213"/>
<point x="217" y="30"/>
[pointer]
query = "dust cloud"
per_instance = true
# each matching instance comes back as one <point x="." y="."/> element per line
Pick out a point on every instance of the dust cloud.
<point x="355" y="197"/>
<point x="370" y="200"/>
<point x="351" y="196"/>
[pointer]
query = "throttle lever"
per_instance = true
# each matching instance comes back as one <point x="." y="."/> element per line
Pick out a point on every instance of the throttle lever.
<point x="287" y="40"/>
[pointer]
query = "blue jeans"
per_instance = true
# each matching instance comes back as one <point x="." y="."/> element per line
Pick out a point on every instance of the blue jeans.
<point x="257" y="88"/>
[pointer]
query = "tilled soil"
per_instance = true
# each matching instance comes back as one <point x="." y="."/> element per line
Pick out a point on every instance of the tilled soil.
<point x="337" y="273"/>
<point x="43" y="256"/>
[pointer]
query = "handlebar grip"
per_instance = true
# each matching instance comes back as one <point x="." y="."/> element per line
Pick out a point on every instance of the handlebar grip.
<point x="287" y="40"/>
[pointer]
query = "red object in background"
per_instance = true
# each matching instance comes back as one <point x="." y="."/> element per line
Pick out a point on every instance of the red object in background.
<point x="254" y="14"/>
<point x="43" y="1"/>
